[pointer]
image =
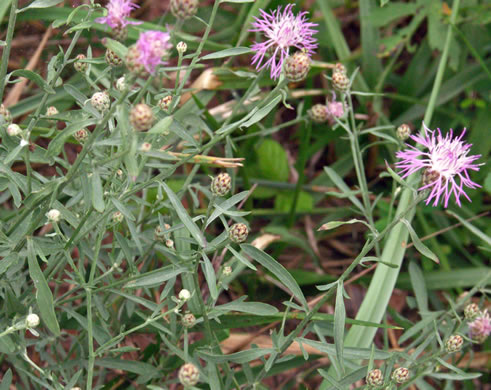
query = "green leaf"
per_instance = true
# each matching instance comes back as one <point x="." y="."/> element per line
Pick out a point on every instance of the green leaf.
<point x="115" y="46"/>
<point x="335" y="224"/>
<point x="97" y="192"/>
<point x="184" y="216"/>
<point x="40" y="4"/>
<point x="56" y="145"/>
<point x="235" y="51"/>
<point x="261" y="113"/>
<point x="210" y="277"/>
<point x="486" y="239"/>
<point x="44" y="297"/>
<point x="284" y="201"/>
<point x="348" y="352"/>
<point x="256" y="308"/>
<point x="237" y="357"/>
<point x="276" y="269"/>
<point x="455" y="377"/>
<point x="137" y="367"/>
<point x="162" y="126"/>
<point x="339" y="182"/>
<point x="6" y="380"/>
<point x="156" y="277"/>
<point x="422" y="248"/>
<point x="241" y="258"/>
<point x="272" y="161"/>
<point x="34" y="77"/>
<point x="419" y="286"/>
<point x="339" y="324"/>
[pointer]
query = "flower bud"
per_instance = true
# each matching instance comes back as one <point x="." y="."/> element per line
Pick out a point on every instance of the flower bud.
<point x="221" y="184"/>
<point x="81" y="135"/>
<point x="184" y="295"/>
<point x="375" y="378"/>
<point x="188" y="320"/>
<point x="188" y="375"/>
<point x="52" y="111"/>
<point x="119" y="32"/>
<point x="169" y="243"/>
<point x="5" y="113"/>
<point x="400" y="375"/>
<point x="238" y="233"/>
<point x="182" y="47"/>
<point x="100" y="101"/>
<point x="32" y="320"/>
<point x="117" y="217"/>
<point x="165" y="102"/>
<point x="227" y="270"/>
<point x="471" y="311"/>
<point x="319" y="113"/>
<point x="340" y="81"/>
<point x="183" y="9"/>
<point x="112" y="59"/>
<point x="146" y="147"/>
<point x="141" y="117"/>
<point x="403" y="132"/>
<point x="133" y="62"/>
<point x="297" y="66"/>
<point x="158" y="235"/>
<point x="339" y="67"/>
<point x="454" y="343"/>
<point x="121" y="84"/>
<point x="14" y="130"/>
<point x="53" y="215"/>
<point x="79" y="65"/>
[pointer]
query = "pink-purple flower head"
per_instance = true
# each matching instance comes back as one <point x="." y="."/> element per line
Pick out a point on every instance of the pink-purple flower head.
<point x="480" y="328"/>
<point x="152" y="46"/>
<point x="118" y="12"/>
<point x="445" y="162"/>
<point x="282" y="30"/>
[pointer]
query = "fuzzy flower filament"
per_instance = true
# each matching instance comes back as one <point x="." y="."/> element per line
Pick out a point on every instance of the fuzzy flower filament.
<point x="480" y="328"/>
<point x="445" y="161"/>
<point x="118" y="12"/>
<point x="282" y="30"/>
<point x="152" y="46"/>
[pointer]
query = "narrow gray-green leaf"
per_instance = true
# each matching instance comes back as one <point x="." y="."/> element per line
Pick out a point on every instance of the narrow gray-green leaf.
<point x="419" y="286"/>
<point x="237" y="357"/>
<point x="261" y="113"/>
<point x="6" y="380"/>
<point x="276" y="269"/>
<point x="349" y="353"/>
<point x="472" y="228"/>
<point x="241" y="258"/>
<point x="339" y="182"/>
<point x="162" y="126"/>
<point x="418" y="244"/>
<point x="115" y="46"/>
<point x="210" y="277"/>
<point x="234" y="51"/>
<point x="156" y="277"/>
<point x="44" y="296"/>
<point x="339" y="324"/>
<point x="256" y="308"/>
<point x="184" y="216"/>
<point x="97" y="192"/>
<point x="40" y="4"/>
<point x="34" y="77"/>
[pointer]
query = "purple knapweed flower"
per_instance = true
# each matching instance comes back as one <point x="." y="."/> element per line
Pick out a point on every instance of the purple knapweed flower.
<point x="118" y="12"/>
<point x="480" y="328"/>
<point x="152" y="46"/>
<point x="282" y="30"/>
<point x="445" y="164"/>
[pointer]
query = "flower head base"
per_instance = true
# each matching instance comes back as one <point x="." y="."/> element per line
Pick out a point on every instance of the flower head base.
<point x="446" y="159"/>
<point x="480" y="328"/>
<point x="118" y="12"/>
<point x="282" y="30"/>
<point x="151" y="47"/>
<point x="454" y="343"/>
<point x="471" y="311"/>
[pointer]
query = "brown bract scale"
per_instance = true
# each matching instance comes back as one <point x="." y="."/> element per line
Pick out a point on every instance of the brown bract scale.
<point x="183" y="9"/>
<point x="80" y="66"/>
<point x="319" y="113"/>
<point x="120" y="33"/>
<point x="375" y="378"/>
<point x="403" y="132"/>
<point x="165" y="102"/>
<point x="112" y="59"/>
<point x="471" y="311"/>
<point x="221" y="184"/>
<point x="238" y="233"/>
<point x="400" y="375"/>
<point x="100" y="101"/>
<point x="133" y="63"/>
<point x="81" y="135"/>
<point x="339" y="67"/>
<point x="297" y="66"/>
<point x="141" y="117"/>
<point x="340" y="81"/>
<point x="454" y="343"/>
<point x="188" y="320"/>
<point x="188" y="375"/>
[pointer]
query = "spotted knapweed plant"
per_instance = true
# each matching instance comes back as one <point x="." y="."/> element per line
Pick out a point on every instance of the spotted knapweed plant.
<point x="216" y="195"/>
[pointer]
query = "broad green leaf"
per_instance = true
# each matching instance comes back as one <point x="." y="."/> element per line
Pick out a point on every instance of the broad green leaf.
<point x="34" y="77"/>
<point x="44" y="297"/>
<point x="235" y="51"/>
<point x="40" y="4"/>
<point x="422" y="248"/>
<point x="276" y="269"/>
<point x="272" y="161"/>
<point x="184" y="216"/>
<point x="6" y="380"/>
<point x="162" y="126"/>
<point x="156" y="277"/>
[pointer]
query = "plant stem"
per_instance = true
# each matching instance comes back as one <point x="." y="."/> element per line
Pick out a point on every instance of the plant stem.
<point x="7" y="47"/>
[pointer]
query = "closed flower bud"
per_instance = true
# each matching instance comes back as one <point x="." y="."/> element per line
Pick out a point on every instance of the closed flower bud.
<point x="340" y="81"/>
<point x="227" y="270"/>
<point x="169" y="243"/>
<point x="297" y="66"/>
<point x="375" y="378"/>
<point x="184" y="295"/>
<point x="79" y="65"/>
<point x="32" y="320"/>
<point x="182" y="47"/>
<point x="454" y="343"/>
<point x="81" y="135"/>
<point x="121" y="84"/>
<point x="100" y="101"/>
<point x="319" y="113"/>
<point x="339" y="67"/>
<point x="471" y="311"/>
<point x="52" y="111"/>
<point x="141" y="117"/>
<point x="188" y="375"/>
<point x="120" y="33"/>
<point x="14" y="130"/>
<point x="403" y="132"/>
<point x="400" y="375"/>
<point x="158" y="235"/>
<point x="5" y="113"/>
<point x="146" y="147"/>
<point x="183" y="9"/>
<point x="238" y="233"/>
<point x="221" y="184"/>
<point x="133" y="62"/>
<point x="112" y="59"/>
<point x="165" y="102"/>
<point x="53" y="215"/>
<point x="117" y="217"/>
<point x="188" y="320"/>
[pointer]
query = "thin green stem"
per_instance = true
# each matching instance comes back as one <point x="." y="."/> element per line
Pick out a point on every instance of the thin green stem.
<point x="7" y="47"/>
